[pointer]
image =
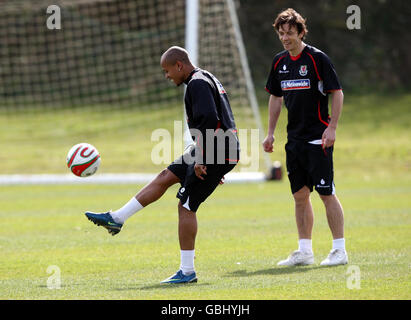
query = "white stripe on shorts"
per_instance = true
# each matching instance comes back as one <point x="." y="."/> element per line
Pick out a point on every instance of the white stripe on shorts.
<point x="319" y="141"/>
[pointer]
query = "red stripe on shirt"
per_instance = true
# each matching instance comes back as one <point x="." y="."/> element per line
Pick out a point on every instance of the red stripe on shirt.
<point x="275" y="66"/>
<point x="319" y="115"/>
<point x="315" y="66"/>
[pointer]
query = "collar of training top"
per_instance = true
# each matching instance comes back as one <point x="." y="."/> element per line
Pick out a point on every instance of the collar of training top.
<point x="186" y="81"/>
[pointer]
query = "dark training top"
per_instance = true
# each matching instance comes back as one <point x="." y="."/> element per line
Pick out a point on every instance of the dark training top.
<point x="209" y="112"/>
<point x="304" y="81"/>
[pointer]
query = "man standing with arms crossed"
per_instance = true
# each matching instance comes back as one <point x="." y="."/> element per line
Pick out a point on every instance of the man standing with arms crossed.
<point x="304" y="77"/>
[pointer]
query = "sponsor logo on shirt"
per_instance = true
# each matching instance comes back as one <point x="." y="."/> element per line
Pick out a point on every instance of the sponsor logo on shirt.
<point x="284" y="70"/>
<point x="297" y="84"/>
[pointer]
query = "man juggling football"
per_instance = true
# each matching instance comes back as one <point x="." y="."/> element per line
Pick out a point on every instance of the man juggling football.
<point x="200" y="169"/>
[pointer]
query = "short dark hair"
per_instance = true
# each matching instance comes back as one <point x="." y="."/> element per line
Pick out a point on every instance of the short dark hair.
<point x="174" y="54"/>
<point x="293" y="18"/>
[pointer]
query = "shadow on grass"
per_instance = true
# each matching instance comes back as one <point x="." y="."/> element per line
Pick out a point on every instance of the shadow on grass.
<point x="274" y="271"/>
<point x="162" y="286"/>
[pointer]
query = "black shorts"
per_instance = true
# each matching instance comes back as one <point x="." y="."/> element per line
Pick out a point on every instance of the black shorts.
<point x="193" y="190"/>
<point x="310" y="165"/>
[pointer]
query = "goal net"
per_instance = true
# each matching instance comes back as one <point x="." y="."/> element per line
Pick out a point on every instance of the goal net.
<point x="104" y="55"/>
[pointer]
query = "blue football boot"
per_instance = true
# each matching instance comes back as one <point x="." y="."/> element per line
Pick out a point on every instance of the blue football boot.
<point x="179" y="277"/>
<point x="105" y="220"/>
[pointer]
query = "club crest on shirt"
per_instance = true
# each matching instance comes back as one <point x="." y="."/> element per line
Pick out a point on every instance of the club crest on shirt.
<point x="303" y="70"/>
<point x="220" y="87"/>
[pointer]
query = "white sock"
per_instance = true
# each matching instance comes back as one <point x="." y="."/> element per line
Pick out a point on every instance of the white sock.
<point x="339" y="244"/>
<point x="305" y="245"/>
<point x="187" y="261"/>
<point x="130" y="208"/>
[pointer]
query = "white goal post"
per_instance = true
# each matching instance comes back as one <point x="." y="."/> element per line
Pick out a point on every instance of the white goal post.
<point x="105" y="58"/>
<point x="191" y="44"/>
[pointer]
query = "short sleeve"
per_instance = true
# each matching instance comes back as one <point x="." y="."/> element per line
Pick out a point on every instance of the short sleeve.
<point x="328" y="74"/>
<point x="273" y="86"/>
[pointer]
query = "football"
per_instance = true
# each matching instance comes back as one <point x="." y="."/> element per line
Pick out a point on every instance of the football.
<point x="83" y="160"/>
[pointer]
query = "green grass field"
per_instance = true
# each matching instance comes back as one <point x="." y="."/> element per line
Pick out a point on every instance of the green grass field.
<point x="244" y="229"/>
